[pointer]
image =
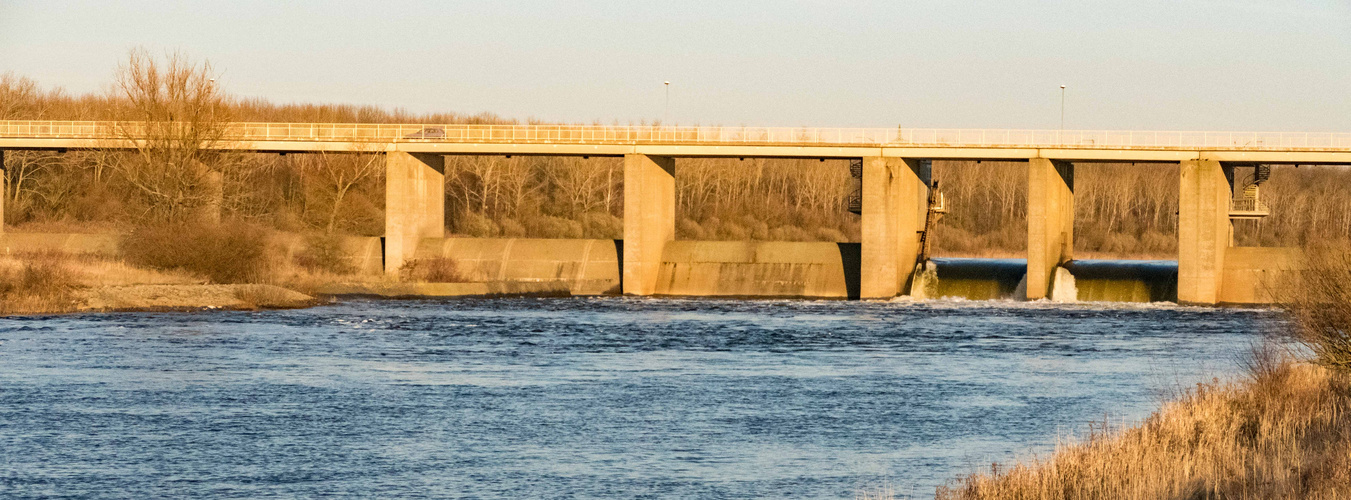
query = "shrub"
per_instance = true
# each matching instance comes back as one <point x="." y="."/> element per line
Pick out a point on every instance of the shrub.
<point x="1320" y="302"/>
<point x="43" y="284"/>
<point x="546" y="226"/>
<point x="687" y="229"/>
<point x="472" y="223"/>
<point x="511" y="228"/>
<point x="230" y="252"/>
<point x="324" y="252"/>
<point x="602" y="225"/>
<point x="433" y="270"/>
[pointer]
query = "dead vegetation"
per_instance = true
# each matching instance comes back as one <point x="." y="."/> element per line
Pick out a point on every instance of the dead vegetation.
<point x="40" y="282"/>
<point x="432" y="270"/>
<point x="1282" y="432"/>
<point x="229" y="252"/>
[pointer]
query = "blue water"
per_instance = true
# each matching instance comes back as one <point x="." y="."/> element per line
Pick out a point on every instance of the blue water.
<point x="549" y="398"/>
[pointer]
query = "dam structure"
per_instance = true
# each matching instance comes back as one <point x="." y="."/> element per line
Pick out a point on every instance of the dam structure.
<point x="891" y="165"/>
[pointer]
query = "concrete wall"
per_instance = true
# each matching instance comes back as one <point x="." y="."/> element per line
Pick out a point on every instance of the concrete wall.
<point x="1203" y="229"/>
<point x="760" y="269"/>
<point x="895" y="202"/>
<point x="415" y="204"/>
<point x="585" y="267"/>
<point x="1050" y="222"/>
<point x="1254" y="275"/>
<point x="649" y="219"/>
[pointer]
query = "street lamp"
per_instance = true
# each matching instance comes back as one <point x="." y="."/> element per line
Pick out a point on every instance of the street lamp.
<point x="667" y="110"/>
<point x="1062" y="107"/>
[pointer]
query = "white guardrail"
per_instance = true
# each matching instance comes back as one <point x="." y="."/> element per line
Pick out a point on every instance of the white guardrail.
<point x="602" y="134"/>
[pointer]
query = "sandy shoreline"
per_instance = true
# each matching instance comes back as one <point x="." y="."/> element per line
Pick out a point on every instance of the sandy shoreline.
<point x="188" y="297"/>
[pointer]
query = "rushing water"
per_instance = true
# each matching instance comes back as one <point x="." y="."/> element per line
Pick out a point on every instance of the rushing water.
<point x="531" y="398"/>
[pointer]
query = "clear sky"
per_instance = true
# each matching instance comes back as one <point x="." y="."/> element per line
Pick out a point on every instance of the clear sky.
<point x="1137" y="64"/>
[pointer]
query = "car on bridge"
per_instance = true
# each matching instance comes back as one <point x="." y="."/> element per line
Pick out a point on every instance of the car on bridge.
<point x="428" y="133"/>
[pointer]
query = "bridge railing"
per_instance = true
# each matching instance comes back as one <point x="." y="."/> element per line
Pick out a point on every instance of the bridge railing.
<point x="606" y="134"/>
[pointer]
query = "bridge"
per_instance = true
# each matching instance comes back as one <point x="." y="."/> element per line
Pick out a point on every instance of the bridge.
<point x="894" y="170"/>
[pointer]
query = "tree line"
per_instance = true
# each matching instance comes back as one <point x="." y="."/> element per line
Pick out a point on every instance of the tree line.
<point x="1120" y="209"/>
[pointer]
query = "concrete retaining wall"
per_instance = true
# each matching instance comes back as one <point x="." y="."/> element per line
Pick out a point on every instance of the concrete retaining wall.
<point x="759" y="269"/>
<point x="1254" y="275"/>
<point x="587" y="267"/>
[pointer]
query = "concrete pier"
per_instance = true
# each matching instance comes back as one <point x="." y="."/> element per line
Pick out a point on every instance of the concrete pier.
<point x="415" y="204"/>
<point x="649" y="219"/>
<point x="1203" y="229"/>
<point x="895" y="202"/>
<point x="1050" y="222"/>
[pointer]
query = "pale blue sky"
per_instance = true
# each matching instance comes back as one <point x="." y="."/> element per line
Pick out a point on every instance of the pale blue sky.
<point x="1148" y="64"/>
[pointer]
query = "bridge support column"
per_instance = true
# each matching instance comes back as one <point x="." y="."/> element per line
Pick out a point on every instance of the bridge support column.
<point x="649" y="219"/>
<point x="415" y="204"/>
<point x="1050" y="222"/>
<point x="895" y="203"/>
<point x="1203" y="229"/>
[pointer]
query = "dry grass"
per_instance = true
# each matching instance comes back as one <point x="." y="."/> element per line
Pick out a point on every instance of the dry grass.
<point x="324" y="253"/>
<point x="1321" y="305"/>
<point x="434" y="270"/>
<point x="231" y="252"/>
<point x="41" y="283"/>
<point x="1284" y="433"/>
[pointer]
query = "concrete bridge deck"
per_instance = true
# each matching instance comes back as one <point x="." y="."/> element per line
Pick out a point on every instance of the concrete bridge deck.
<point x="895" y="172"/>
<point x="751" y="142"/>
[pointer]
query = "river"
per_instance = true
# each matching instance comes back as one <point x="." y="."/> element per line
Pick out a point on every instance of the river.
<point x="603" y="397"/>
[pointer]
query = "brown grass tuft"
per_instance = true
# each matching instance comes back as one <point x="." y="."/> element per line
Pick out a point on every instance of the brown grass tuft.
<point x="42" y="283"/>
<point x="324" y="253"/>
<point x="230" y="252"/>
<point x="1284" y="434"/>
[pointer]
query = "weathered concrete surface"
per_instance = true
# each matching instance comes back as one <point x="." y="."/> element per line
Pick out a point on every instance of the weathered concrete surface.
<point x="1254" y="275"/>
<point x="587" y="267"/>
<point x="1204" y="230"/>
<point x="1050" y="222"/>
<point x="895" y="202"/>
<point x="759" y="269"/>
<point x="880" y="230"/>
<point x="649" y="219"/>
<point x="103" y="244"/>
<point x="415" y="204"/>
<point x="913" y="181"/>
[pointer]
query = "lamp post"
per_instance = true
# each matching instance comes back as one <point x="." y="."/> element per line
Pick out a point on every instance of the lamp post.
<point x="1062" y="107"/>
<point x="665" y="112"/>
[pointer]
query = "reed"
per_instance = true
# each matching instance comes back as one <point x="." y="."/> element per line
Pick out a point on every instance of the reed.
<point x="1283" y="431"/>
<point x="41" y="282"/>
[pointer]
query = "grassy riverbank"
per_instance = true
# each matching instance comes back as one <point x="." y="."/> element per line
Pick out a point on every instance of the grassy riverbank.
<point x="1282" y="431"/>
<point x="1285" y="432"/>
<point x="56" y="282"/>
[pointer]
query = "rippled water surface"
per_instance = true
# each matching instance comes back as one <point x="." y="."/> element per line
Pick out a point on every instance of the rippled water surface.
<point x="532" y="398"/>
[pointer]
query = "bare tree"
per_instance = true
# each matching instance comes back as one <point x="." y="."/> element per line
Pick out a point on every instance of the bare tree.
<point x="341" y="172"/>
<point x="174" y="116"/>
